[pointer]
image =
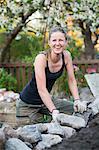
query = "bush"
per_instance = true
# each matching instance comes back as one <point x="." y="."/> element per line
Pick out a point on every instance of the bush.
<point x="34" y="47"/>
<point x="73" y="49"/>
<point x="7" y="81"/>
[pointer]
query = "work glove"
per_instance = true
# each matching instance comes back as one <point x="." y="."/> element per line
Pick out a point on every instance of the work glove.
<point x="55" y="114"/>
<point x="79" y="106"/>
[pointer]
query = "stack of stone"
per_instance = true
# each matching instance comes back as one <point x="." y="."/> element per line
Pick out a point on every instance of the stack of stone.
<point x="40" y="136"/>
<point x="7" y="106"/>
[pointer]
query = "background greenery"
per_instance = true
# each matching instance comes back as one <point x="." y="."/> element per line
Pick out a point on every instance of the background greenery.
<point x="25" y="49"/>
<point x="7" y="81"/>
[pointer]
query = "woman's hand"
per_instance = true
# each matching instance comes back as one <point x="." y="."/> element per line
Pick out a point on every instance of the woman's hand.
<point x="55" y="114"/>
<point x="79" y="106"/>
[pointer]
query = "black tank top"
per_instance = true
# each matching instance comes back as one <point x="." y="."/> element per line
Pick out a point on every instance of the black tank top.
<point x="30" y="93"/>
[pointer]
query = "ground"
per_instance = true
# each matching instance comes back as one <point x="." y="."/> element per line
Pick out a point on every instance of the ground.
<point x="85" y="139"/>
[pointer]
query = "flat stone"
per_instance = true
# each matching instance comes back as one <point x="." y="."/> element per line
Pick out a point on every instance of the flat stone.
<point x="16" y="144"/>
<point x="86" y="95"/>
<point x="95" y="106"/>
<point x="68" y="131"/>
<point x="55" y="128"/>
<point x="29" y="134"/>
<point x="48" y="140"/>
<point x="71" y="121"/>
<point x="93" y="82"/>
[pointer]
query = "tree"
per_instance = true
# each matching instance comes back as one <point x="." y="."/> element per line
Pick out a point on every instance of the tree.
<point x="86" y="15"/>
<point x="13" y="17"/>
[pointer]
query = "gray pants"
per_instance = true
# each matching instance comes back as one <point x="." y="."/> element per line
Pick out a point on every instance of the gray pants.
<point x="29" y="114"/>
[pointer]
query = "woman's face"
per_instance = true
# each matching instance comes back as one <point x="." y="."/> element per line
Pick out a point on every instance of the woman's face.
<point x="57" y="42"/>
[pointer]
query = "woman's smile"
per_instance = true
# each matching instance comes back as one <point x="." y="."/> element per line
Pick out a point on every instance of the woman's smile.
<point x="57" y="42"/>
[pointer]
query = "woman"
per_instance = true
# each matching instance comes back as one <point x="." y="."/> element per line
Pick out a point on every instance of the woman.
<point x="35" y="98"/>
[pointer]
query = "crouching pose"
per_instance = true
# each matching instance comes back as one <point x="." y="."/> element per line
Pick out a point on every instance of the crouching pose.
<point x="35" y="99"/>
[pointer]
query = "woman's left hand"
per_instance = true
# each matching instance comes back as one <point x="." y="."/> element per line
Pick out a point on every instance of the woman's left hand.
<point x="79" y="106"/>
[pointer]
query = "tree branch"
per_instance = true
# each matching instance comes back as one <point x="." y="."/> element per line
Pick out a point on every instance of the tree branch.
<point x="14" y="33"/>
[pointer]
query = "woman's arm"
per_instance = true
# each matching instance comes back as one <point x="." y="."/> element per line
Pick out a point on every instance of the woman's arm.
<point x="78" y="105"/>
<point x="71" y="77"/>
<point x="39" y="66"/>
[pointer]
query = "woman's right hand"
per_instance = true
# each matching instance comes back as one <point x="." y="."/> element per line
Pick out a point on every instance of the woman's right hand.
<point x="55" y="114"/>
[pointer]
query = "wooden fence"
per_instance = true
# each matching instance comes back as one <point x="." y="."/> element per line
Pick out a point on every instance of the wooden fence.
<point x="23" y="72"/>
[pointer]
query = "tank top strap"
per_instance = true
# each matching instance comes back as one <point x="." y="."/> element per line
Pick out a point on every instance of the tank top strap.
<point x="64" y="65"/>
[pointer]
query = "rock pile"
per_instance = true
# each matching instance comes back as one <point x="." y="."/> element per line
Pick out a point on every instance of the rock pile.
<point x="7" y="100"/>
<point x="40" y="136"/>
<point x="44" y="135"/>
<point x="8" y="96"/>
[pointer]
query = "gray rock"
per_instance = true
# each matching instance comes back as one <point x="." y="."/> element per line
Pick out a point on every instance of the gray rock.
<point x="9" y="131"/>
<point x="95" y="106"/>
<point x="29" y="134"/>
<point x="42" y="127"/>
<point x="16" y="144"/>
<point x="85" y="115"/>
<point x="86" y="95"/>
<point x="48" y="140"/>
<point x="55" y="128"/>
<point x="71" y="121"/>
<point x="68" y="131"/>
<point x="93" y="82"/>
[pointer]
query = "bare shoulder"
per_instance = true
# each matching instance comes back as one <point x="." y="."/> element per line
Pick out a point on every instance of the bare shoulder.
<point x="40" y="59"/>
<point x="67" y="56"/>
<point x="66" y="53"/>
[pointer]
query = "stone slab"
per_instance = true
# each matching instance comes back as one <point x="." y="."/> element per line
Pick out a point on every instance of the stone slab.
<point x="93" y="83"/>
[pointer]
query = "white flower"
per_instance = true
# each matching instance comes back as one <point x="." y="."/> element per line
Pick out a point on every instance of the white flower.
<point x="75" y="9"/>
<point x="17" y="1"/>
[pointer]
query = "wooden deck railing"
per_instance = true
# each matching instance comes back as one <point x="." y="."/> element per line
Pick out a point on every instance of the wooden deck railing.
<point x="85" y="64"/>
<point x="23" y="72"/>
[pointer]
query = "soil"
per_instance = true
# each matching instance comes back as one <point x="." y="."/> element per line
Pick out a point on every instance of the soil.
<point x="85" y="139"/>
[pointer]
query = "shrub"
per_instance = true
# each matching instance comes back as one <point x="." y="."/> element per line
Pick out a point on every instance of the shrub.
<point x="34" y="47"/>
<point x="7" y="80"/>
<point x="74" y="50"/>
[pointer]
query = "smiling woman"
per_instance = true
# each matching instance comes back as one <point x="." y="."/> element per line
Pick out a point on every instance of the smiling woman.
<point x="57" y="42"/>
<point x="49" y="65"/>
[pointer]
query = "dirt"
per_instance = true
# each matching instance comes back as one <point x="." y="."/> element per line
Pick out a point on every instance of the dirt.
<point x="85" y="139"/>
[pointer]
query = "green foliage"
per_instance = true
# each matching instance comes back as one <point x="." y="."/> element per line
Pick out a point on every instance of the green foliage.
<point x="2" y="37"/>
<point x="73" y="49"/>
<point x="7" y="81"/>
<point x="35" y="46"/>
<point x="62" y="84"/>
<point x="80" y="78"/>
<point x="20" y="48"/>
<point x="24" y="49"/>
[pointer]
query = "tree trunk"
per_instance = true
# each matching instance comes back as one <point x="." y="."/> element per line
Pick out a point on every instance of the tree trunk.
<point x="4" y="50"/>
<point x="89" y="45"/>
